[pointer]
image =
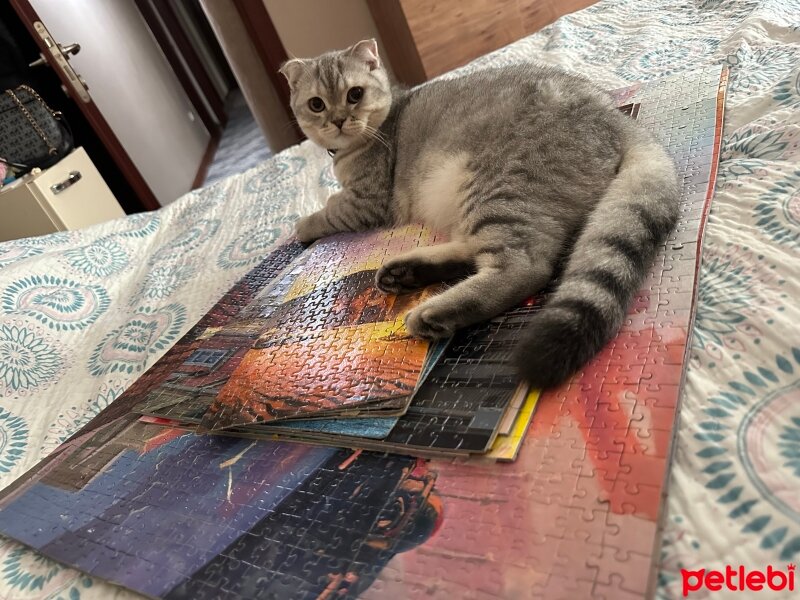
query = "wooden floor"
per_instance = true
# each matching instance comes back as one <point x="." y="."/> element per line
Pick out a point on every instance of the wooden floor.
<point x="449" y="33"/>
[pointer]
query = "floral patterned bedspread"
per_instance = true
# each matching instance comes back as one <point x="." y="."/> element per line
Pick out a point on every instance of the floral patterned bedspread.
<point x="82" y="314"/>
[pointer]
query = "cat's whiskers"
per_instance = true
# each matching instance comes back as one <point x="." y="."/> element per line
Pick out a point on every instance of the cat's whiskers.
<point x="290" y="123"/>
<point x="376" y="135"/>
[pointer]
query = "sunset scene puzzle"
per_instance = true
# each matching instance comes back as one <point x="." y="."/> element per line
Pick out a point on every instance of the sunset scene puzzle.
<point x="332" y="342"/>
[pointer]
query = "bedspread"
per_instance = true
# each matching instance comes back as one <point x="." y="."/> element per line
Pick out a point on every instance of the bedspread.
<point x="82" y="314"/>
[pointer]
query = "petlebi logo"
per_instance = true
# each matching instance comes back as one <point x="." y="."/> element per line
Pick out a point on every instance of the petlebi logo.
<point x="738" y="579"/>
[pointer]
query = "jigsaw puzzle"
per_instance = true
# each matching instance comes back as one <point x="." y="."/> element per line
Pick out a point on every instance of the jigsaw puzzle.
<point x="242" y="499"/>
<point x="172" y="514"/>
<point x="466" y="392"/>
<point x="354" y="352"/>
<point x="351" y="427"/>
<point x="467" y="385"/>
<point x="459" y="407"/>
<point x="295" y="337"/>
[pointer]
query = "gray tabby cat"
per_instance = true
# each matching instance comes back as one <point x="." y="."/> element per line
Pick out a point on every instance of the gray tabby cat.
<point x="532" y="172"/>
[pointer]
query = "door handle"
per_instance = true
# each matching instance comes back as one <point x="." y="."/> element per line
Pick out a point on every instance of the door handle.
<point x="70" y="49"/>
<point x="59" y="60"/>
<point x="65" y="50"/>
<point x="72" y="178"/>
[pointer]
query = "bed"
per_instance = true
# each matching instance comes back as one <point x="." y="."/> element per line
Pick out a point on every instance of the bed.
<point x="84" y="313"/>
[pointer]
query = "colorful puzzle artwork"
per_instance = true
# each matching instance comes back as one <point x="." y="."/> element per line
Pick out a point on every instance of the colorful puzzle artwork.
<point x="376" y="428"/>
<point x="173" y="514"/>
<point x="467" y="384"/>
<point x="243" y="498"/>
<point x="460" y="406"/>
<point x="356" y="352"/>
<point x="320" y="339"/>
<point x="464" y="396"/>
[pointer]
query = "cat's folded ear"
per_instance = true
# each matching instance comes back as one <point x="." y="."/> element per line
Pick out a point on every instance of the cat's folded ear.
<point x="292" y="69"/>
<point x="366" y="50"/>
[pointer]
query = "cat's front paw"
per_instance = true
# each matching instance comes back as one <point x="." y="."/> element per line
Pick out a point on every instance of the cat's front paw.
<point x="306" y="231"/>
<point x="428" y="323"/>
<point x="398" y="278"/>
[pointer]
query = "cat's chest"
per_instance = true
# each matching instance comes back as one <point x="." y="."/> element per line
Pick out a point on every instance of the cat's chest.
<point x="437" y="190"/>
<point x="342" y="170"/>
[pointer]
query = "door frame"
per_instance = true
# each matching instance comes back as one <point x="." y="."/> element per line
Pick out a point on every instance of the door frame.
<point x="176" y="46"/>
<point x="398" y="40"/>
<point x="92" y="113"/>
<point x="262" y="33"/>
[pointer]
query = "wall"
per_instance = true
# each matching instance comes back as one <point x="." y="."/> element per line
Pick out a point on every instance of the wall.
<point x="310" y="27"/>
<point x="134" y="87"/>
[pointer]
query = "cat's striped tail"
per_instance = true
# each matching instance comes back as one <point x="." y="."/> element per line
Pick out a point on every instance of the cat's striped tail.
<point x="606" y="267"/>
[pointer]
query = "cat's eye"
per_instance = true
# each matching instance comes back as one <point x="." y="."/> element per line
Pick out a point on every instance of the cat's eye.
<point x="354" y="95"/>
<point x="316" y="104"/>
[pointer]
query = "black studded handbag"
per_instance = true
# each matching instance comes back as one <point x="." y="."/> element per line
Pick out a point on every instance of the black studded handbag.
<point x="31" y="133"/>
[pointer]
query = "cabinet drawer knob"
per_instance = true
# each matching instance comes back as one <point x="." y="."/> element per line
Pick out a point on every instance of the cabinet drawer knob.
<point x="73" y="177"/>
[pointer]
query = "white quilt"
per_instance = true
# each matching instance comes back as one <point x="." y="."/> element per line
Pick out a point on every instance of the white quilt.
<point x="83" y="314"/>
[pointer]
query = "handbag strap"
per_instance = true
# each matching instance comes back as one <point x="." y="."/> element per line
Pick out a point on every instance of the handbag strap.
<point x="51" y="149"/>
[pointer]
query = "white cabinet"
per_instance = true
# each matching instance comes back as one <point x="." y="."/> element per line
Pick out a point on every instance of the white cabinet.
<point x="69" y="195"/>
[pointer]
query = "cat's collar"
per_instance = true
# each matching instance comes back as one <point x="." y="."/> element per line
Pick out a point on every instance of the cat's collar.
<point x="331" y="152"/>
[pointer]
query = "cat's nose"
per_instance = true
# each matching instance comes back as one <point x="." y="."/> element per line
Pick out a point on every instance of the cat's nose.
<point x="338" y="122"/>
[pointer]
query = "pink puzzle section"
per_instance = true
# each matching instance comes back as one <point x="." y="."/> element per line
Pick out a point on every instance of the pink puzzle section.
<point x="577" y="515"/>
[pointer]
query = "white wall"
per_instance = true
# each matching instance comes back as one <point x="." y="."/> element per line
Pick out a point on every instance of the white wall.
<point x="308" y="28"/>
<point x="134" y="87"/>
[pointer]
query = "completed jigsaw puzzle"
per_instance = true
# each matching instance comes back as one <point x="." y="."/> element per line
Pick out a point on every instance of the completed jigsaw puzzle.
<point x="169" y="513"/>
<point x="320" y="339"/>
<point x="443" y="399"/>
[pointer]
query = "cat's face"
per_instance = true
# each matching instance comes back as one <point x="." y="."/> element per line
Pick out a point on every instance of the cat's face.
<point x="340" y="98"/>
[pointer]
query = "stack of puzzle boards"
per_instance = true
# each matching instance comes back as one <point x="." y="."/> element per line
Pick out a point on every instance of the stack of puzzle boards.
<point x="578" y="514"/>
<point x="310" y="350"/>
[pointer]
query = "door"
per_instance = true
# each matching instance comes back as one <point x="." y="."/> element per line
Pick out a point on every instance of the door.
<point x="33" y="64"/>
<point x="123" y="87"/>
